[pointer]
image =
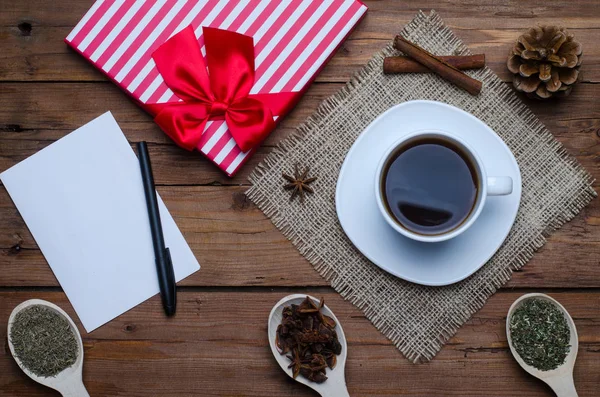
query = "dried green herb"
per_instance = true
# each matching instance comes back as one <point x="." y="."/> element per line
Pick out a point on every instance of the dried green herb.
<point x="540" y="334"/>
<point x="43" y="341"/>
<point x="310" y="337"/>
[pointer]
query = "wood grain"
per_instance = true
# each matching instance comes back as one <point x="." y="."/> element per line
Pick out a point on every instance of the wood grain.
<point x="238" y="246"/>
<point x="43" y="56"/>
<point x="219" y="338"/>
<point x="216" y="344"/>
<point x="472" y="13"/>
<point x="33" y="115"/>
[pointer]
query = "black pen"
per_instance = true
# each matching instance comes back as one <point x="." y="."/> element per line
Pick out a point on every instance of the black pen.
<point x="164" y="266"/>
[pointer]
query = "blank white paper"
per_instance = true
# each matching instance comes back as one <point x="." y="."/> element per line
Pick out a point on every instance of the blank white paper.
<point x="83" y="201"/>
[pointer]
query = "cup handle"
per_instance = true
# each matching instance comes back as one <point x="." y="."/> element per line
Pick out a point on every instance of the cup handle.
<point x="499" y="185"/>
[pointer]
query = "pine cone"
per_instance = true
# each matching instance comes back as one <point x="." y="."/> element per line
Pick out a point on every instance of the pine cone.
<point x="545" y="61"/>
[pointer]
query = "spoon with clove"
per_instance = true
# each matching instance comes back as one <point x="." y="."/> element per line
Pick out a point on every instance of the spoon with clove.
<point x="559" y="379"/>
<point x="335" y="385"/>
<point x="69" y="381"/>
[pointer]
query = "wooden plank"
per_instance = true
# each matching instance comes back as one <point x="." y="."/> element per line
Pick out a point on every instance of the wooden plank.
<point x="216" y="346"/>
<point x="175" y="166"/>
<point x="27" y="109"/>
<point x="490" y="13"/>
<point x="33" y="115"/>
<point x="233" y="240"/>
<point x="172" y="165"/>
<point x="44" y="111"/>
<point x="238" y="246"/>
<point x="41" y="55"/>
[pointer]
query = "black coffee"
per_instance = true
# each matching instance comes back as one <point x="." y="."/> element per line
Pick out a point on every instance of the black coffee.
<point x="430" y="186"/>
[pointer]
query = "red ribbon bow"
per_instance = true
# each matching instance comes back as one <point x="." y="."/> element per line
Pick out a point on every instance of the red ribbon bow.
<point x="221" y="93"/>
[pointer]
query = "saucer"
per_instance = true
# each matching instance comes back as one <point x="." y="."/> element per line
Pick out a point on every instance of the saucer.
<point x="433" y="264"/>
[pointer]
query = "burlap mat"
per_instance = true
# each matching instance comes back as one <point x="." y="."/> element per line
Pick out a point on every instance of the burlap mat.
<point x="417" y="319"/>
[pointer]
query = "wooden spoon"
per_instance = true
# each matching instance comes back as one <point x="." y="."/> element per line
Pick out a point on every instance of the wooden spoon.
<point x="335" y="385"/>
<point x="561" y="378"/>
<point x="69" y="382"/>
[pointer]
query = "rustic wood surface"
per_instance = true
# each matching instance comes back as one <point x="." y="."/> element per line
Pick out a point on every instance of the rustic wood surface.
<point x="216" y="345"/>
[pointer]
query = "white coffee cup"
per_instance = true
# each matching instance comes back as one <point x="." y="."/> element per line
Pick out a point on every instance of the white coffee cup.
<point x="487" y="185"/>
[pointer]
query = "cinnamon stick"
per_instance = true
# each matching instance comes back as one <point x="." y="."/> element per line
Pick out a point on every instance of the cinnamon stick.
<point x="438" y="66"/>
<point x="392" y="65"/>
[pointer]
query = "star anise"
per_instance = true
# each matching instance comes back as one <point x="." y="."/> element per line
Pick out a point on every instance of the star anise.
<point x="298" y="184"/>
<point x="295" y="364"/>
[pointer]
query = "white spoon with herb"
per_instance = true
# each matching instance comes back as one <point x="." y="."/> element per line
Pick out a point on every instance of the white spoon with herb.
<point x="335" y="385"/>
<point x="60" y="338"/>
<point x="543" y="339"/>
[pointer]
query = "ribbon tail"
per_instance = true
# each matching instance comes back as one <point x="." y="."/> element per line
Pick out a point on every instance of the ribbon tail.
<point x="183" y="123"/>
<point x="250" y="122"/>
<point x="155" y="108"/>
<point x="280" y="103"/>
<point x="250" y="119"/>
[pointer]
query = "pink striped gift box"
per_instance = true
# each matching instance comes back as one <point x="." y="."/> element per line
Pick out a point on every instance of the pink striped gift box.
<point x="293" y="40"/>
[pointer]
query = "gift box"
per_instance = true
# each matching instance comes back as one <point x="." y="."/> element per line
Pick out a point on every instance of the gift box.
<point x="292" y="40"/>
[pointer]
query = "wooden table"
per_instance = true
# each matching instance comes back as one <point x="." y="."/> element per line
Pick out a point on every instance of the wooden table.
<point x="216" y="345"/>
